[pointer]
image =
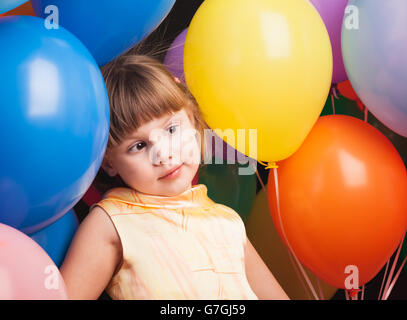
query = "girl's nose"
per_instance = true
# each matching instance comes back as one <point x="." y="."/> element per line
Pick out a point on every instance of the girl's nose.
<point x="164" y="152"/>
<point x="162" y="158"/>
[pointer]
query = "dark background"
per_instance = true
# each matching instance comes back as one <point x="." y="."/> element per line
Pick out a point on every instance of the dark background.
<point x="177" y="20"/>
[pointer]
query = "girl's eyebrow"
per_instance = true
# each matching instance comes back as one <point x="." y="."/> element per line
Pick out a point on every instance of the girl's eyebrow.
<point x="174" y="117"/>
<point x="139" y="136"/>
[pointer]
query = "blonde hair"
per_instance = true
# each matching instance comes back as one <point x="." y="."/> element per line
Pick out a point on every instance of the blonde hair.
<point x="141" y="89"/>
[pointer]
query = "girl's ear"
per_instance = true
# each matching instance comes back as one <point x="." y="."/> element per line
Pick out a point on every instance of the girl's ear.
<point x="108" y="167"/>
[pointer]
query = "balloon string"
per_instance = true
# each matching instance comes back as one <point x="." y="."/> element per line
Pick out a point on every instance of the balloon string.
<point x="321" y="293"/>
<point x="366" y="114"/>
<point x="285" y="237"/>
<point x="297" y="272"/>
<point x="333" y="104"/>
<point x="289" y="253"/>
<point x="363" y="293"/>
<point x="333" y="94"/>
<point x="386" y="288"/>
<point x="335" y="91"/>
<point x="384" y="277"/>
<point x="260" y="180"/>
<point x="395" y="279"/>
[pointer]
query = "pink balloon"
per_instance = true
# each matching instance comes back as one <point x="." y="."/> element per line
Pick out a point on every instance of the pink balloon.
<point x="26" y="271"/>
<point x="332" y="12"/>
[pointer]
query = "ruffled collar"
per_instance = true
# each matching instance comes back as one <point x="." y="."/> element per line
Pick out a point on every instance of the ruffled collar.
<point x="196" y="196"/>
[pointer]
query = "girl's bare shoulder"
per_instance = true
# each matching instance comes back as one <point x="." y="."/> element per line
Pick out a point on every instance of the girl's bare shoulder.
<point x="100" y="223"/>
<point x="94" y="256"/>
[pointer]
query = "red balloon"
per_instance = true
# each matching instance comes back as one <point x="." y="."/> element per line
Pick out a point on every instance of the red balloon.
<point x="345" y="88"/>
<point x="25" y="9"/>
<point x="92" y="196"/>
<point x="342" y="200"/>
<point x="195" y="179"/>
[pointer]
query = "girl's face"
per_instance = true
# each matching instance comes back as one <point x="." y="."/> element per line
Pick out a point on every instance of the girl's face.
<point x="160" y="158"/>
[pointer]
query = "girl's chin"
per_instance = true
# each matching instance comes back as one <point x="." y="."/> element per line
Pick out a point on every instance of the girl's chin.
<point x="175" y="188"/>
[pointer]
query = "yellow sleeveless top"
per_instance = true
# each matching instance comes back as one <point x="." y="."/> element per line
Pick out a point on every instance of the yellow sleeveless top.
<point x="178" y="247"/>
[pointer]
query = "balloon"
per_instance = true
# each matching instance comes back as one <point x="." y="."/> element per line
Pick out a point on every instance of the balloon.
<point x="264" y="237"/>
<point x="56" y="238"/>
<point x="374" y="49"/>
<point x="342" y="200"/>
<point x="332" y="12"/>
<point x="228" y="187"/>
<point x="343" y="106"/>
<point x="7" y="5"/>
<point x="248" y="66"/>
<point x="351" y="108"/>
<point x="107" y="29"/>
<point x="54" y="122"/>
<point x="92" y="196"/>
<point x="345" y="89"/>
<point x="26" y="271"/>
<point x="23" y="10"/>
<point x="173" y="60"/>
<point x="195" y="179"/>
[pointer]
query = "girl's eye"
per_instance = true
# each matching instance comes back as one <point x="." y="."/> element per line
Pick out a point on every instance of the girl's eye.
<point x="173" y="129"/>
<point x="138" y="146"/>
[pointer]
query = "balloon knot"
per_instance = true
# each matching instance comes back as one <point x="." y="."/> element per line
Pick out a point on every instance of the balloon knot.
<point x="269" y="165"/>
<point x="353" y="292"/>
<point x="334" y="90"/>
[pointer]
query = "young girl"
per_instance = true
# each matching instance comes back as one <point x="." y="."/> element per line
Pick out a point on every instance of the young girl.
<point x="155" y="235"/>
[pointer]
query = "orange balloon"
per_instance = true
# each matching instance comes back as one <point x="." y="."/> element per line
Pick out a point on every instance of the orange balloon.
<point x="342" y="200"/>
<point x="25" y="9"/>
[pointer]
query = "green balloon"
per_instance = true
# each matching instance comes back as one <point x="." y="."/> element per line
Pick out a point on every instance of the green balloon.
<point x="227" y="187"/>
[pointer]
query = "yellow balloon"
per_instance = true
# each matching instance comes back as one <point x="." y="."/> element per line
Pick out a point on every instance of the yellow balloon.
<point x="259" y="64"/>
<point x="265" y="238"/>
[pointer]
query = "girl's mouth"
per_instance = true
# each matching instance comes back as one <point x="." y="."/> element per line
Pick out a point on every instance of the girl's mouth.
<point x="173" y="173"/>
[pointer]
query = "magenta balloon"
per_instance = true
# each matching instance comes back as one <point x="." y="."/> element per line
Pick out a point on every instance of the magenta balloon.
<point x="174" y="59"/>
<point x="332" y="12"/>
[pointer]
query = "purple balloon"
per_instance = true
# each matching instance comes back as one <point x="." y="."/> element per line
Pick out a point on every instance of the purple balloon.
<point x="174" y="59"/>
<point x="332" y="12"/>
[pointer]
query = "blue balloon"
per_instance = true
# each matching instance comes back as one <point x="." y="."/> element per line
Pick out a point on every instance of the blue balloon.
<point x="374" y="47"/>
<point x="54" y="122"/>
<point x="7" y="5"/>
<point x="108" y="28"/>
<point x="56" y="238"/>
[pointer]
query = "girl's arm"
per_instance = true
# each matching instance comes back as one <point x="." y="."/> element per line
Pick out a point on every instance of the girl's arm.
<point x="261" y="280"/>
<point x="92" y="258"/>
